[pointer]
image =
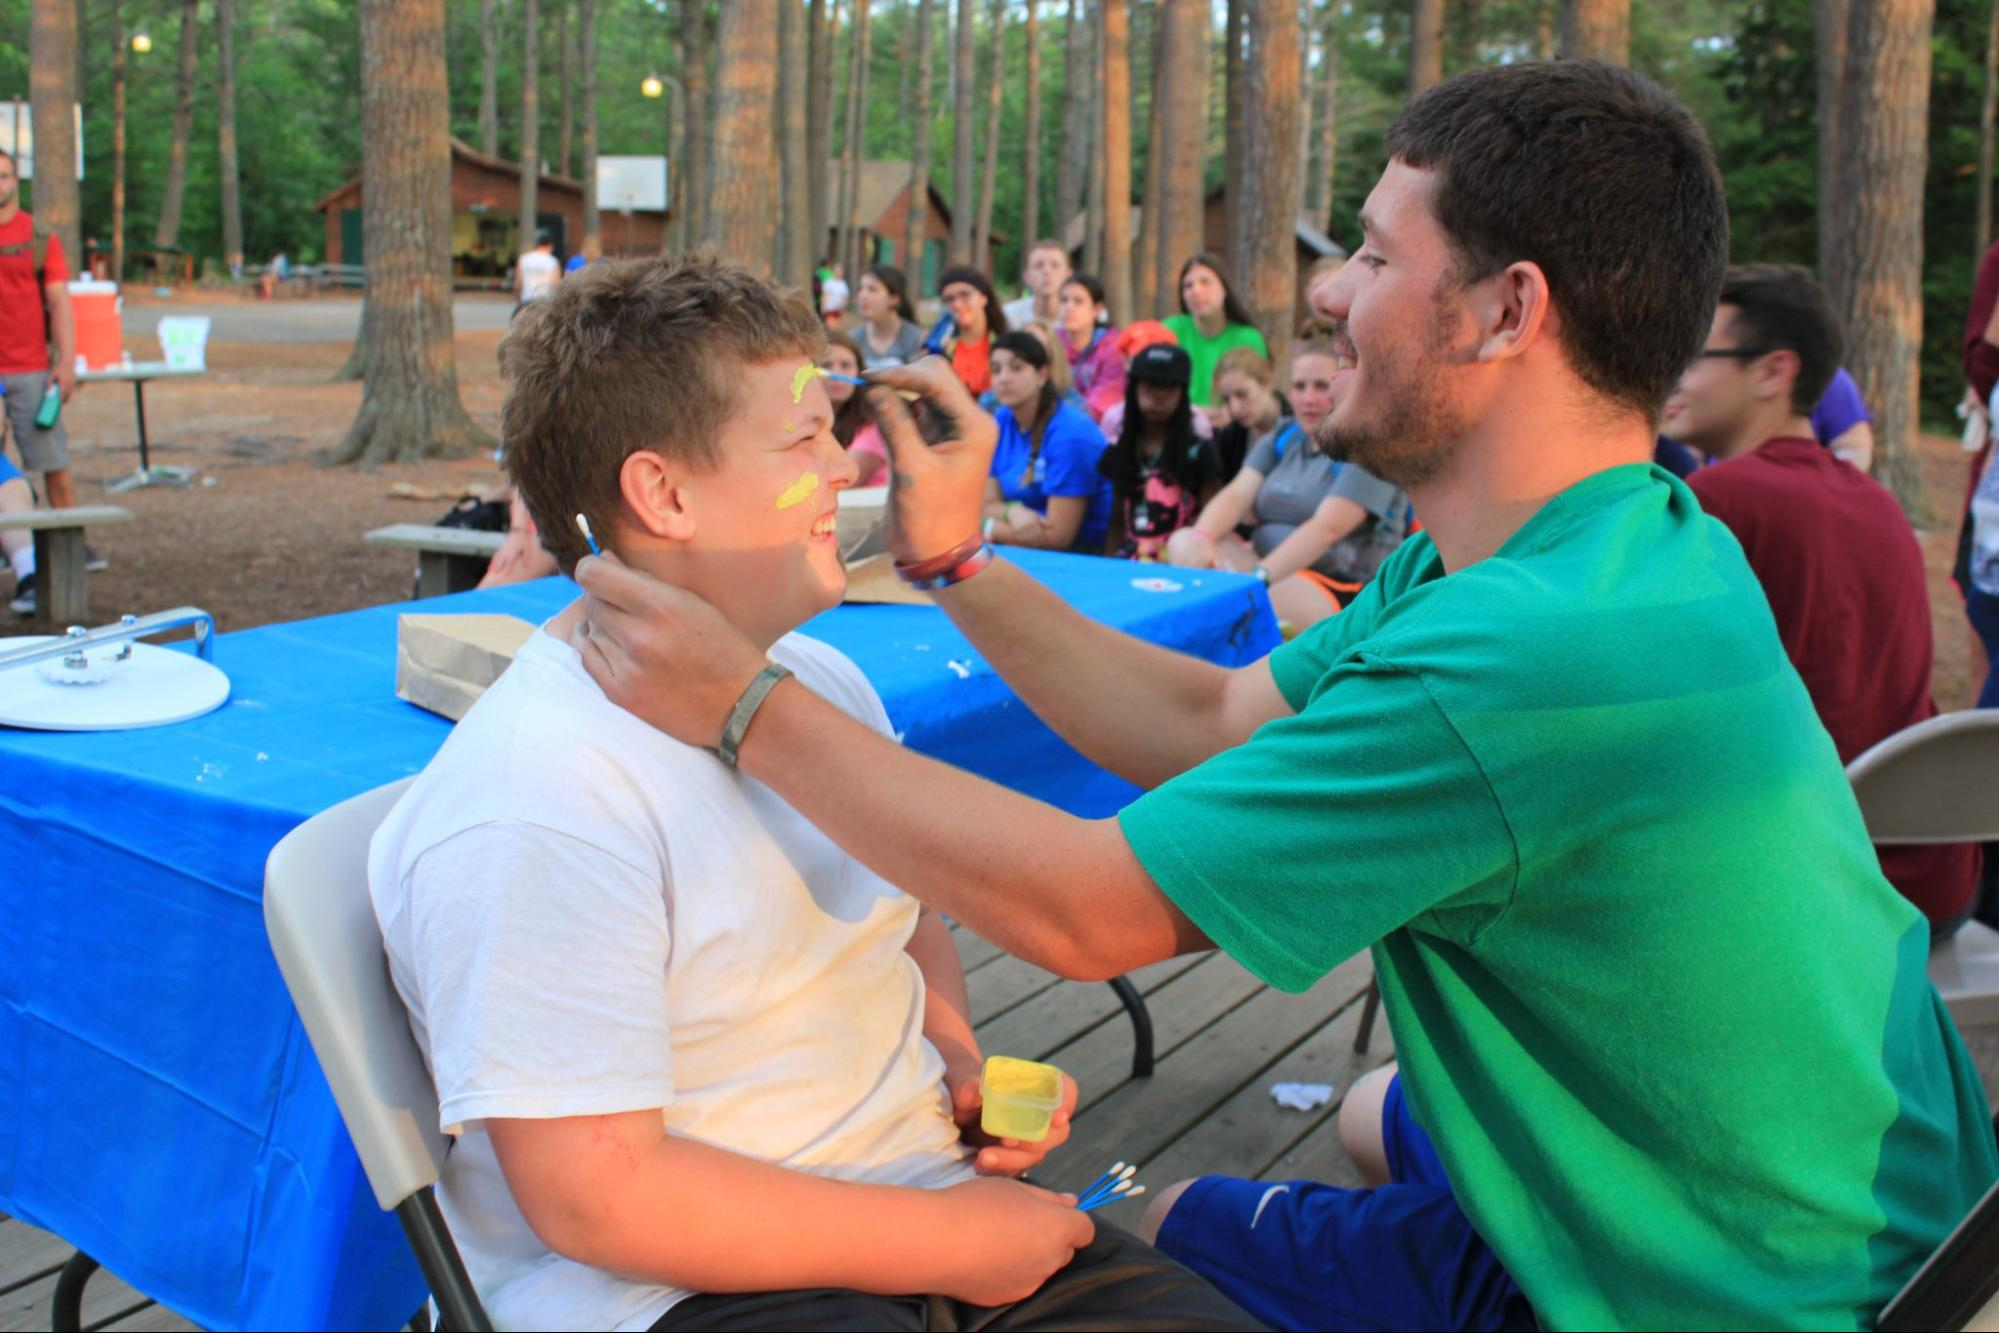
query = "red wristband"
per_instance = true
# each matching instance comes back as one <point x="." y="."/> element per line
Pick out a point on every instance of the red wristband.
<point x="937" y="564"/>
<point x="956" y="573"/>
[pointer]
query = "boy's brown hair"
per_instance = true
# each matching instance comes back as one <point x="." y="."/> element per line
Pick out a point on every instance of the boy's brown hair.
<point x="629" y="355"/>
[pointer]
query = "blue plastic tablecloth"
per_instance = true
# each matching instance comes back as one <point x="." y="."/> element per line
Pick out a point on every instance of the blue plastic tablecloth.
<point x="160" y="1106"/>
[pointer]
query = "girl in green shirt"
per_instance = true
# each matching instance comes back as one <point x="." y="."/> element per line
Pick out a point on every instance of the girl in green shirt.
<point x="1212" y="320"/>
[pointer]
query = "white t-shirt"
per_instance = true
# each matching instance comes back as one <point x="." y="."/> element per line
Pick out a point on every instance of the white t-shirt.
<point x="586" y="917"/>
<point x="833" y="295"/>
<point x="538" y="273"/>
<point x="1019" y="311"/>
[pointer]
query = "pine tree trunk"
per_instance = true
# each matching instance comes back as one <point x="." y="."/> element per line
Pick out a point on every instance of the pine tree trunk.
<point x="853" y="247"/>
<point x="167" y="235"/>
<point x="1030" y="201"/>
<point x="1093" y="182"/>
<point x="586" y="43"/>
<point x="744" y="221"/>
<point x="795" y="207"/>
<point x="963" y="198"/>
<point x="696" y="187"/>
<point x="1152" y="205"/>
<point x="1426" y="46"/>
<point x="819" y="123"/>
<point x="530" y="123"/>
<point x="1986" y="116"/>
<point x="901" y="61"/>
<point x="1875" y="276"/>
<point x="1184" y="134"/>
<point x="410" y="408"/>
<point x="489" y="82"/>
<point x="1117" y="160"/>
<point x="1072" y="163"/>
<point x="565" y="77"/>
<point x="1238" y="187"/>
<point x="1329" y="140"/>
<point x="982" y="235"/>
<point x="1544" y="29"/>
<point x="914" y="232"/>
<point x="52" y="53"/>
<point x="1270" y="221"/>
<point x="117" y="141"/>
<point x="1830" y="19"/>
<point x="225" y="137"/>
<point x="1596" y="30"/>
<point x="1308" y="32"/>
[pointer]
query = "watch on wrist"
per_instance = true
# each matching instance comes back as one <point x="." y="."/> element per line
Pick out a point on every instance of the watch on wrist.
<point x="1261" y="575"/>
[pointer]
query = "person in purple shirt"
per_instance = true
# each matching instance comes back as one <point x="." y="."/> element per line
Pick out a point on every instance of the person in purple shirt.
<point x="1841" y="422"/>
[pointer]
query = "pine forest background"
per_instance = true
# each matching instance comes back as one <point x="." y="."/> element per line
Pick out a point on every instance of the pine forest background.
<point x="1746" y="69"/>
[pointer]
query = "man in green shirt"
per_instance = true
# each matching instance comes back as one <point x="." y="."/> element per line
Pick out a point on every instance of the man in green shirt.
<point x="1665" y="1030"/>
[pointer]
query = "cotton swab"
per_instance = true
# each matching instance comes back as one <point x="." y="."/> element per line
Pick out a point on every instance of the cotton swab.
<point x="1101" y="1181"/>
<point x="588" y="536"/>
<point x="854" y="380"/>
<point x="1107" y="1191"/>
<point x="1092" y="1206"/>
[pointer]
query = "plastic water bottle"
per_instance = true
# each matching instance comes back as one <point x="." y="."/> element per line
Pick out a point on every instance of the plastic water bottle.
<point x="51" y="407"/>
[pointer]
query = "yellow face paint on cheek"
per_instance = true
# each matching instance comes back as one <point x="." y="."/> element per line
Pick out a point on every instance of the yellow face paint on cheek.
<point x="801" y="377"/>
<point x="799" y="491"/>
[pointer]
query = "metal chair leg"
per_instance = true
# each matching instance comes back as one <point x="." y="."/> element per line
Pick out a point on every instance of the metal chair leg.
<point x="1141" y="1026"/>
<point x="66" y="1310"/>
<point x="1368" y="1009"/>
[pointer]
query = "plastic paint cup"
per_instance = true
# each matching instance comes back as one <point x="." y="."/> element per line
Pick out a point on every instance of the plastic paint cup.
<point x="1020" y="1098"/>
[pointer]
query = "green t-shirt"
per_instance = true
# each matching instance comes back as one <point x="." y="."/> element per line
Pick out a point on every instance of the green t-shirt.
<point x="1205" y="351"/>
<point x="1669" y="1026"/>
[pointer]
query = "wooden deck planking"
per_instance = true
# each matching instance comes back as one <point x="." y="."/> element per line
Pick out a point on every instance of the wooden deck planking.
<point x="105" y="1299"/>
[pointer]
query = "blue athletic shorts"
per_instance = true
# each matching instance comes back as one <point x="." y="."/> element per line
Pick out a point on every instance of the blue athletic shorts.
<point x="7" y="469"/>
<point x="1302" y="1255"/>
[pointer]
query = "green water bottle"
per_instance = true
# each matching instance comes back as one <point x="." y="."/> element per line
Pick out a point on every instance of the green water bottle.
<point x="51" y="406"/>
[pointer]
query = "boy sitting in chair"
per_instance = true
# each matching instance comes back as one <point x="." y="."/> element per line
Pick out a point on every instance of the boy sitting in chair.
<point x="704" y="1069"/>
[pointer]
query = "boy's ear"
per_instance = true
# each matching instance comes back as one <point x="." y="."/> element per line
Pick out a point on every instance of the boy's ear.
<point x="654" y="497"/>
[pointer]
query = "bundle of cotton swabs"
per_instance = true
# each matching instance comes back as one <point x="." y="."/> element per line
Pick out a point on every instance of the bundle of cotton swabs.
<point x="1111" y="1186"/>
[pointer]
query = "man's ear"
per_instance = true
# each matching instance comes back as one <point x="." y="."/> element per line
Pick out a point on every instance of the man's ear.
<point x="1513" y="310"/>
<point x="655" y="499"/>
<point x="1776" y="373"/>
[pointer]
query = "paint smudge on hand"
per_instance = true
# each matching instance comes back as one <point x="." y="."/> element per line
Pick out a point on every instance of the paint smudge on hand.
<point x="801" y="377"/>
<point x="799" y="491"/>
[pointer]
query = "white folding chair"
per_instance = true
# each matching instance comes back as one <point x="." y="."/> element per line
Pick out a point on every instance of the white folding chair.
<point x="329" y="947"/>
<point x="1938" y="781"/>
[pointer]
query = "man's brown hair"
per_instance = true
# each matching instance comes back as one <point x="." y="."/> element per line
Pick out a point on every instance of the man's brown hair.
<point x="630" y="355"/>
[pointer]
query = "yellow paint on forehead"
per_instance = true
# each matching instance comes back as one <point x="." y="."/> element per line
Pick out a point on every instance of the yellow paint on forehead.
<point x="799" y="491"/>
<point x="803" y="376"/>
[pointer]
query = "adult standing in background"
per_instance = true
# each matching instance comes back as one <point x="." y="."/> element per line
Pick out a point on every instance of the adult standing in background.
<point x="536" y="272"/>
<point x="1212" y="320"/>
<point x="1047" y="269"/>
<point x="35" y="311"/>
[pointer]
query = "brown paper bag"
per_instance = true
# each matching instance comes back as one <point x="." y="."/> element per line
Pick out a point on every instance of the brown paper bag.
<point x="445" y="662"/>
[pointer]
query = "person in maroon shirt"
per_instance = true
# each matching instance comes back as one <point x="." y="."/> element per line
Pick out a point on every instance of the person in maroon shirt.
<point x="1836" y="557"/>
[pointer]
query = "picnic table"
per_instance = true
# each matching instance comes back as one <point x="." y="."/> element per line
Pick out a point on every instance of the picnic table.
<point x="159" y="1103"/>
<point x="138" y="374"/>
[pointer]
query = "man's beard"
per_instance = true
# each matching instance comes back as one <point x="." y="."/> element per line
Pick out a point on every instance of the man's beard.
<point x="1418" y="430"/>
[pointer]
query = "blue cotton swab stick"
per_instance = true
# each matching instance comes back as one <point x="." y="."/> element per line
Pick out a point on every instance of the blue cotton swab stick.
<point x="588" y="536"/>
<point x="1101" y="1181"/>
<point x="854" y="380"/>
<point x="1120" y="1175"/>
<point x="1119" y="1188"/>
<point x="1095" y="1204"/>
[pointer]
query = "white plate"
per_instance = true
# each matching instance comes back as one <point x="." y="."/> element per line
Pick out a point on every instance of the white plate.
<point x="155" y="688"/>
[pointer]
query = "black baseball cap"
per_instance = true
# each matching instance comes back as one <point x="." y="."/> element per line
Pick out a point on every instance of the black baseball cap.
<point x="1162" y="363"/>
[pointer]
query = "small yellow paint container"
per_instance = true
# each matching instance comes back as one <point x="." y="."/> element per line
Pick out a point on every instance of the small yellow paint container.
<point x="1020" y="1098"/>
